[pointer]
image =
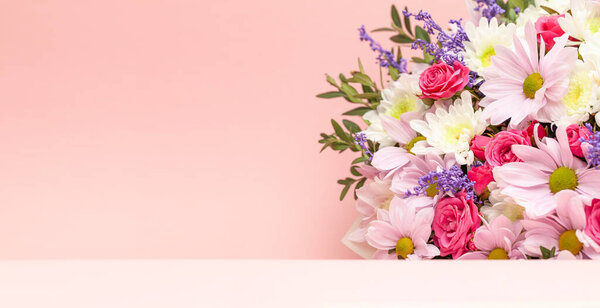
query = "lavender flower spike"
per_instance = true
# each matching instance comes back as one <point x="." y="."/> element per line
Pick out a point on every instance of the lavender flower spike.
<point x="490" y="8"/>
<point x="593" y="153"/>
<point x="452" y="45"/>
<point x="452" y="181"/>
<point x="385" y="57"/>
<point x="360" y="139"/>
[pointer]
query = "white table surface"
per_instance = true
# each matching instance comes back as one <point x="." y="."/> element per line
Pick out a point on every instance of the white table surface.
<point x="280" y="283"/>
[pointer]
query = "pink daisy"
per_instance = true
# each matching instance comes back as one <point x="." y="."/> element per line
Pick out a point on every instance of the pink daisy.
<point x="420" y="166"/>
<point x="500" y="239"/>
<point x="405" y="230"/>
<point x="544" y="172"/>
<point x="374" y="195"/>
<point x="525" y="84"/>
<point x="392" y="159"/>
<point x="560" y="231"/>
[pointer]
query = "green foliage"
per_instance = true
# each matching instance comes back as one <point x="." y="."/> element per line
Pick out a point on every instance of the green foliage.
<point x="547" y="253"/>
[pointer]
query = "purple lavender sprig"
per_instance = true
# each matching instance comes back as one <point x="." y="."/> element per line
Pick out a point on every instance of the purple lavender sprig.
<point x="593" y="154"/>
<point x="385" y="58"/>
<point x="450" y="46"/>
<point x="361" y="140"/>
<point x="452" y="181"/>
<point x="490" y="8"/>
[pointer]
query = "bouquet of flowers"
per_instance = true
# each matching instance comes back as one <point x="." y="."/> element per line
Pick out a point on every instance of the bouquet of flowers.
<point x="484" y="147"/>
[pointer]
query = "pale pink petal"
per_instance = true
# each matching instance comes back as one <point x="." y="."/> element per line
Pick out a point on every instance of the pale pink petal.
<point x="390" y="158"/>
<point x="382" y="235"/>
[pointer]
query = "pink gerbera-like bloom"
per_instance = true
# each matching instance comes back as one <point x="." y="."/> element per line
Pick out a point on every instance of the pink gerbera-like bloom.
<point x="561" y="231"/>
<point x="392" y="159"/>
<point x="500" y="239"/>
<point x="544" y="172"/>
<point x="526" y="84"/>
<point x="405" y="230"/>
<point x="421" y="166"/>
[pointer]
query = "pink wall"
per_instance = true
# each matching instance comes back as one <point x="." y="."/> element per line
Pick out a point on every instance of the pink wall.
<point x="176" y="129"/>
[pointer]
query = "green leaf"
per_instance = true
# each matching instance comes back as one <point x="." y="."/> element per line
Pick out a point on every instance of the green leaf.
<point x="360" y="66"/>
<point x="549" y="10"/>
<point x="358" y="111"/>
<point x="418" y="60"/>
<point x="339" y="146"/>
<point x="351" y="126"/>
<point x="547" y="253"/>
<point x="359" y="160"/>
<point x="368" y="95"/>
<point x="331" y="81"/>
<point x="383" y="30"/>
<point x="394" y="73"/>
<point x="396" y="17"/>
<point x="407" y="22"/>
<point x="361" y="78"/>
<point x="516" y="3"/>
<point x="420" y="33"/>
<point x="339" y="131"/>
<point x="401" y="39"/>
<point x="354" y="171"/>
<point x="331" y="94"/>
<point x="350" y="92"/>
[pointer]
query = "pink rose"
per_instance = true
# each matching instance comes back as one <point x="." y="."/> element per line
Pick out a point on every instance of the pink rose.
<point x="482" y="176"/>
<point x="478" y="145"/>
<point x="499" y="150"/>
<point x="540" y="130"/>
<point x="547" y="28"/>
<point x="574" y="132"/>
<point x="442" y="80"/>
<point x="454" y="223"/>
<point x="592" y="224"/>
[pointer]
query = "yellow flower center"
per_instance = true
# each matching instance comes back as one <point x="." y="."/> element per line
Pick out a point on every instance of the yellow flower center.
<point x="486" y="56"/>
<point x="579" y="95"/>
<point x="561" y="179"/>
<point x="402" y="104"/>
<point x="532" y="84"/>
<point x="411" y="144"/>
<point x="404" y="247"/>
<point x="569" y="241"/>
<point x="432" y="190"/>
<point x="498" y="254"/>
<point x="593" y="24"/>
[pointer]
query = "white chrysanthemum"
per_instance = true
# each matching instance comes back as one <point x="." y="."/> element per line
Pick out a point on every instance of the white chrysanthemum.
<point x="582" y="98"/>
<point x="483" y="39"/>
<point x="590" y="53"/>
<point x="375" y="131"/>
<point x="500" y="204"/>
<point x="400" y="97"/>
<point x="451" y="131"/>
<point x="583" y="22"/>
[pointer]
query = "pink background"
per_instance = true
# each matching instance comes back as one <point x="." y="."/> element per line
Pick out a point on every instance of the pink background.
<point x="177" y="129"/>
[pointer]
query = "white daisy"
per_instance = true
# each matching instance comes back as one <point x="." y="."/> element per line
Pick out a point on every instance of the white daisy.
<point x="451" y="131"/>
<point x="583" y="22"/>
<point x="400" y="97"/>
<point x="483" y="39"/>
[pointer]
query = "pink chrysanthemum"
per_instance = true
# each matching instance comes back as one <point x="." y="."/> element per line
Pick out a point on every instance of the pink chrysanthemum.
<point x="405" y="230"/>
<point x="526" y="84"/>
<point x="419" y="167"/>
<point x="561" y="231"/>
<point x="544" y="172"/>
<point x="500" y="239"/>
